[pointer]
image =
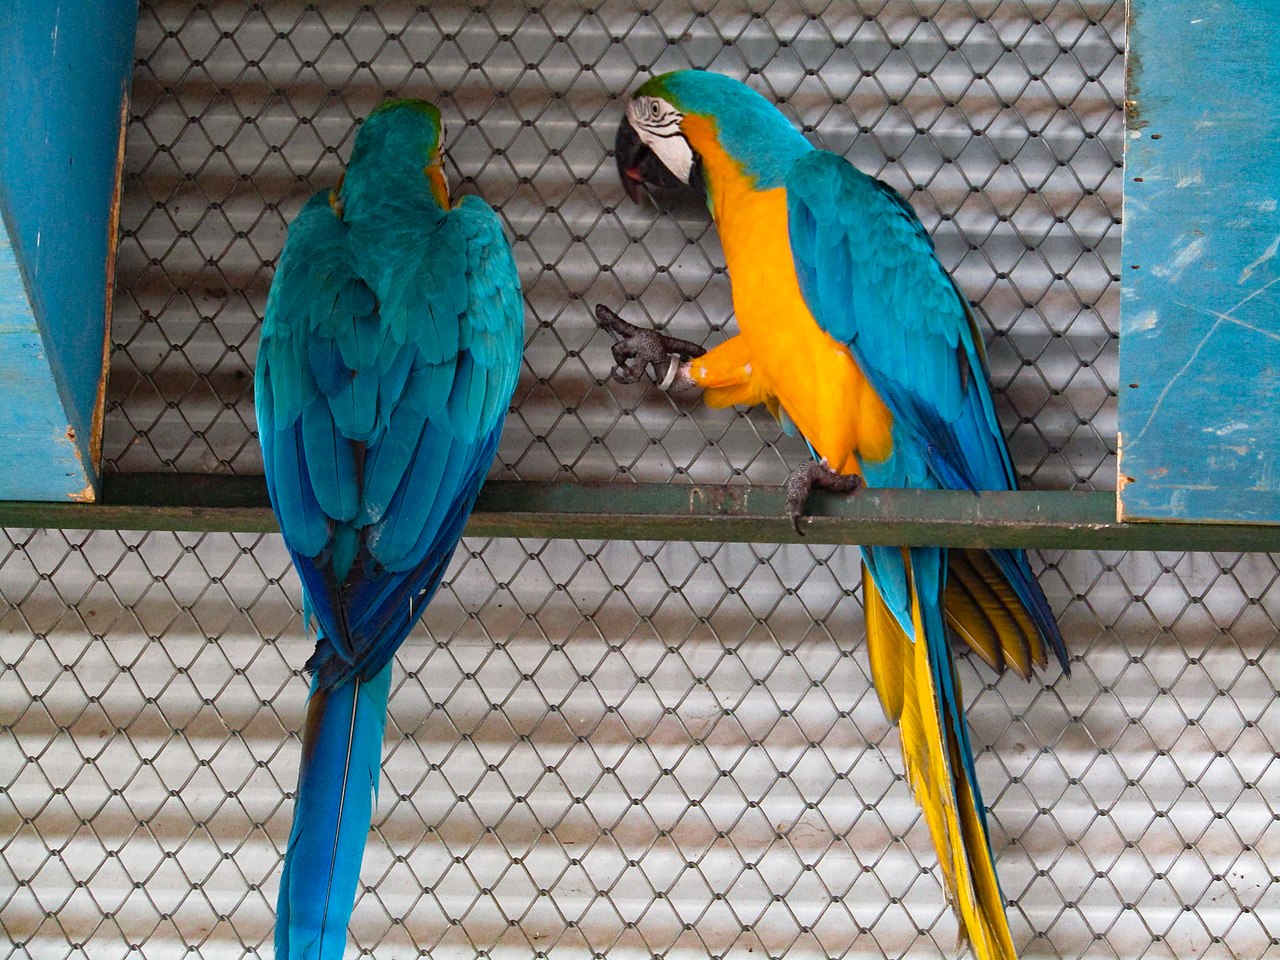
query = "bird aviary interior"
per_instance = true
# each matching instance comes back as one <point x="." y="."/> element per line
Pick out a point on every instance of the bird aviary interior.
<point x="622" y="747"/>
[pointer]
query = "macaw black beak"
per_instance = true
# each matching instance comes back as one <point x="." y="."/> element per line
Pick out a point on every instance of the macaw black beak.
<point x="638" y="165"/>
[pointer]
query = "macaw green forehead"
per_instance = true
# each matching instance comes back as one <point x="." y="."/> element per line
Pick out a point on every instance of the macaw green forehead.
<point x="422" y="108"/>
<point x="402" y="125"/>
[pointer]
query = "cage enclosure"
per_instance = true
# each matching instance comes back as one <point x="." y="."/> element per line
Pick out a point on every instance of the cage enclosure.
<point x="638" y="719"/>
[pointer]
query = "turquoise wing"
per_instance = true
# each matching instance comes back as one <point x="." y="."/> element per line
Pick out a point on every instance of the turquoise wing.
<point x="388" y="358"/>
<point x="314" y="281"/>
<point x="869" y="275"/>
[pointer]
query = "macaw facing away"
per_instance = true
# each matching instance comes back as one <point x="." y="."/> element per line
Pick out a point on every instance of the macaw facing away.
<point x="390" y="351"/>
<point x="853" y="335"/>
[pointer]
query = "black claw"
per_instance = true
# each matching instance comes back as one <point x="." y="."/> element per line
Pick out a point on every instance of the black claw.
<point x="798" y="485"/>
<point x="812" y="474"/>
<point x="636" y="348"/>
<point x="614" y="323"/>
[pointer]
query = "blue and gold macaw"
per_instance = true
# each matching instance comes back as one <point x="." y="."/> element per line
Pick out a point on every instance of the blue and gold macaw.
<point x="389" y="354"/>
<point x="854" y="336"/>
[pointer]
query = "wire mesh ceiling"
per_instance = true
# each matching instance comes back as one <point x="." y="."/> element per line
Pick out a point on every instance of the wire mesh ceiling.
<point x="1000" y="120"/>
<point x="625" y="749"/>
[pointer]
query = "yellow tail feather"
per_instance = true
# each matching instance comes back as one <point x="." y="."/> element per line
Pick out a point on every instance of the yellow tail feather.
<point x="888" y="648"/>
<point x="995" y="581"/>
<point x="970" y="623"/>
<point x="935" y="770"/>
<point x="987" y="615"/>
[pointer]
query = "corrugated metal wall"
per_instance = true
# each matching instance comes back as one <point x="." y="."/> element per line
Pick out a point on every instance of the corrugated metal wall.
<point x="625" y="749"/>
<point x="1001" y="121"/>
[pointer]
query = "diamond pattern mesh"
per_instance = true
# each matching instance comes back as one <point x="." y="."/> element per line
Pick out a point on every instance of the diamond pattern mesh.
<point x="628" y="749"/>
<point x="625" y="749"/>
<point x="999" y="119"/>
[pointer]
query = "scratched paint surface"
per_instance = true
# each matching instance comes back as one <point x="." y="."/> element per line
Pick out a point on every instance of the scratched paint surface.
<point x="1200" y="318"/>
<point x="40" y="462"/>
<point x="65" y="68"/>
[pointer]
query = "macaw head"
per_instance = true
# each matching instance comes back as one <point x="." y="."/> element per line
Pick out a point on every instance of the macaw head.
<point x="690" y="126"/>
<point x="398" y="143"/>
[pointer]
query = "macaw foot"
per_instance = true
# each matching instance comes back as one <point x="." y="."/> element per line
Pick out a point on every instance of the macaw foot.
<point x="814" y="473"/>
<point x="636" y="348"/>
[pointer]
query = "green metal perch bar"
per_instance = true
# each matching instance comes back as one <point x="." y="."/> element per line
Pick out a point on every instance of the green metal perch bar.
<point x="671" y="511"/>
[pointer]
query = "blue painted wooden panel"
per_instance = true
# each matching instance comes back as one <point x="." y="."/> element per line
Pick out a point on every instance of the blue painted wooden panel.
<point x="65" y="69"/>
<point x="1200" y="316"/>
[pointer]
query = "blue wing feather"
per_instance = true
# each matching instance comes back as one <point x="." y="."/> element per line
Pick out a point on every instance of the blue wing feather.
<point x="298" y="511"/>
<point x="354" y="408"/>
<point x="385" y="466"/>
<point x="392" y="536"/>
<point x="868" y="273"/>
<point x="867" y="270"/>
<point x="328" y="370"/>
<point x="408" y="335"/>
<point x="331" y="461"/>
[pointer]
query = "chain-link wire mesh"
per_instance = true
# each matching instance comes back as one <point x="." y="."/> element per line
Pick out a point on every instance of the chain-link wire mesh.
<point x="628" y="749"/>
<point x="999" y="119"/>
<point x="625" y="749"/>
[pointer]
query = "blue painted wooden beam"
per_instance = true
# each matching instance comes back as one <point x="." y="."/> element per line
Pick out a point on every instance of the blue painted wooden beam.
<point x="65" y="72"/>
<point x="1200" y="316"/>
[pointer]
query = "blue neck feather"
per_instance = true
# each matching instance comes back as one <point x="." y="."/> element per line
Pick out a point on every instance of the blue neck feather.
<point x="751" y="129"/>
<point x="393" y="148"/>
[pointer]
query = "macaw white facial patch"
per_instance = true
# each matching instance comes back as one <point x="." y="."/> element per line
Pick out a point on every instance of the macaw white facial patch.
<point x="657" y="123"/>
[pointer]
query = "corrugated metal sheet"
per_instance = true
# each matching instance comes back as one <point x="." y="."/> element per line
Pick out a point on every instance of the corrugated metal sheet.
<point x="625" y="749"/>
<point x="632" y="750"/>
<point x="1001" y="121"/>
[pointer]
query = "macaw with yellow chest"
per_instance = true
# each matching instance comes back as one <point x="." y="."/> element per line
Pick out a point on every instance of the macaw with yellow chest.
<point x="390" y="350"/>
<point x="854" y="337"/>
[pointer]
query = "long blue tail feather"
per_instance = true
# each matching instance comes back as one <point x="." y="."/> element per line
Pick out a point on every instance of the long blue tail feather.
<point x="337" y="787"/>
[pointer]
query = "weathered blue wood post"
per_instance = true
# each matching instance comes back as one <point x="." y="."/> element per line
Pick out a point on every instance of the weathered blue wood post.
<point x="65" y="71"/>
<point x="1200" y="316"/>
